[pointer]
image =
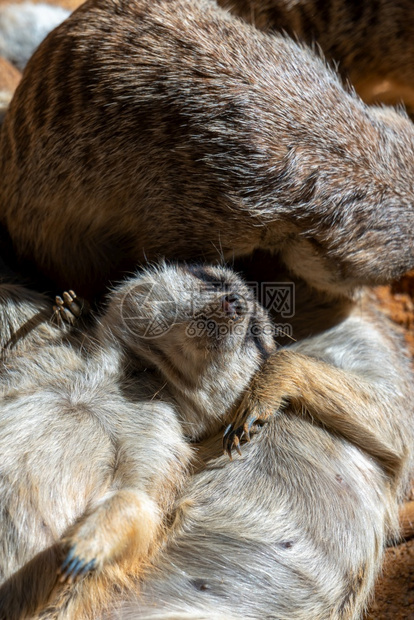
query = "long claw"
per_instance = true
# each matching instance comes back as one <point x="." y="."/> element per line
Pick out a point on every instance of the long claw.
<point x="74" y="567"/>
<point x="227" y="432"/>
<point x="236" y="444"/>
<point x="67" y="572"/>
<point x="231" y="439"/>
<point x="68" y="559"/>
<point x="226" y="440"/>
<point x="89" y="566"/>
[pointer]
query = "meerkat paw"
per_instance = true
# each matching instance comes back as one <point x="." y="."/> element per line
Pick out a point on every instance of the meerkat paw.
<point x="68" y="309"/>
<point x="89" y="549"/>
<point x="248" y="414"/>
<point x="75" y="566"/>
<point x="124" y="523"/>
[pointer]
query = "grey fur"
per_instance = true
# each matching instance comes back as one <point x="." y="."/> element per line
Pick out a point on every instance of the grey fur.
<point x="294" y="529"/>
<point x="94" y="431"/>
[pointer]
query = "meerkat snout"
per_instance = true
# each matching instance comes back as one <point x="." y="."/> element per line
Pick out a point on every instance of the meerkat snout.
<point x="233" y="306"/>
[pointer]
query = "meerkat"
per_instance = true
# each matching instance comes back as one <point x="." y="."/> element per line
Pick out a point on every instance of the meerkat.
<point x="370" y="41"/>
<point x="295" y="528"/>
<point x="191" y="134"/>
<point x="353" y="38"/>
<point x="95" y="439"/>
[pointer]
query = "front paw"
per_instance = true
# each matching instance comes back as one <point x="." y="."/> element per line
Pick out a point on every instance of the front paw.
<point x="87" y="550"/>
<point x="248" y="414"/>
<point x="75" y="565"/>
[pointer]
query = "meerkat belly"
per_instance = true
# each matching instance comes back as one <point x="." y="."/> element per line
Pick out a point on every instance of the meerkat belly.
<point x="53" y="466"/>
<point x="294" y="530"/>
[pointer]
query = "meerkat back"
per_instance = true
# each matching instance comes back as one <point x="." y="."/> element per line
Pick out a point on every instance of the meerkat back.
<point x="190" y="133"/>
<point x="371" y="42"/>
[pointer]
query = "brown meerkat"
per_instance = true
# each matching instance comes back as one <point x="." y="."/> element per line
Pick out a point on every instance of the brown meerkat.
<point x="369" y="42"/>
<point x="94" y="434"/>
<point x="147" y="128"/>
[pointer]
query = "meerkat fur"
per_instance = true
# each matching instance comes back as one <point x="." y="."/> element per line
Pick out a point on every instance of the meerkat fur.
<point x="190" y="134"/>
<point x="95" y="437"/>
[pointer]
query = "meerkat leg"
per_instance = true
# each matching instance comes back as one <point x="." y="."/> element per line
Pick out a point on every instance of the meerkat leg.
<point x="125" y="523"/>
<point x="330" y="395"/>
<point x="70" y="308"/>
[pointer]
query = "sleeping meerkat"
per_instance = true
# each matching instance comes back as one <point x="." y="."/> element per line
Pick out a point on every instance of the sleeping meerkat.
<point x="295" y="528"/>
<point x="191" y="132"/>
<point x="94" y="434"/>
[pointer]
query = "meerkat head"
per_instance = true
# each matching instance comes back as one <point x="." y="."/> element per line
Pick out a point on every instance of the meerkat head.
<point x="200" y="326"/>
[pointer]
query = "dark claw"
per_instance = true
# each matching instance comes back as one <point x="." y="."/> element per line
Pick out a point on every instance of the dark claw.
<point x="70" y="570"/>
<point x="231" y="439"/>
<point x="89" y="566"/>
<point x="227" y="440"/>
<point x="73" y="567"/>
<point x="251" y="420"/>
<point x="76" y="567"/>
<point x="68" y="559"/>
<point x="246" y="430"/>
<point x="227" y="432"/>
<point x="233" y="436"/>
<point x="236" y="443"/>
